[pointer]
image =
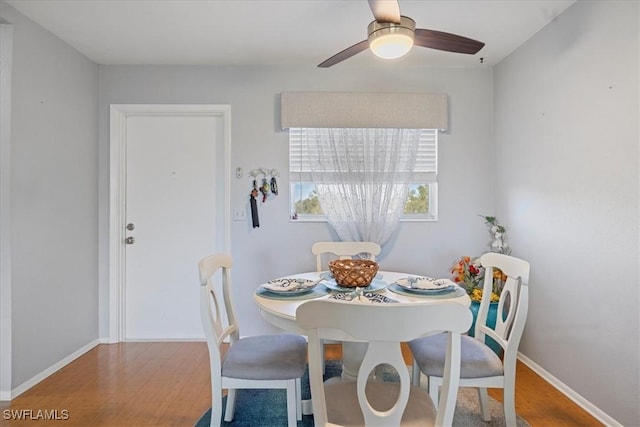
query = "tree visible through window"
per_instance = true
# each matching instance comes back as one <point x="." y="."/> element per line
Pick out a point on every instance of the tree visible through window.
<point x="309" y="205"/>
<point x="418" y="199"/>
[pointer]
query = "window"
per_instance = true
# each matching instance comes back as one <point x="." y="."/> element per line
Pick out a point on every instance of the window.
<point x="421" y="201"/>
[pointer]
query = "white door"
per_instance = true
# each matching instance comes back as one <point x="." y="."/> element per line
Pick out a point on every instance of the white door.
<point x="171" y="215"/>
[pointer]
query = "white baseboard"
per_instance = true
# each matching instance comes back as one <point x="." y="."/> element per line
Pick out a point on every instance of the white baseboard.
<point x="187" y="339"/>
<point x="570" y="393"/>
<point x="50" y="370"/>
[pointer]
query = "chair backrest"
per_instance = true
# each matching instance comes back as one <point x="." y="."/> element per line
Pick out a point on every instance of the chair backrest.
<point x="343" y="250"/>
<point x="218" y="324"/>
<point x="384" y="327"/>
<point x="513" y="305"/>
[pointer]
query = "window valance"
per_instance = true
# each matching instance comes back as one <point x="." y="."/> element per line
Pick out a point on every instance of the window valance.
<point x="364" y="110"/>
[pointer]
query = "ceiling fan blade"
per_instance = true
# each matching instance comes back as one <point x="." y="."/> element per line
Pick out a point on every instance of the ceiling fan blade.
<point x="385" y="10"/>
<point x="446" y="41"/>
<point x="345" y="54"/>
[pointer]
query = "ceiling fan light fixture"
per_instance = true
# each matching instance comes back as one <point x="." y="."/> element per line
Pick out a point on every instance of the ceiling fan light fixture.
<point x="388" y="40"/>
<point x="391" y="46"/>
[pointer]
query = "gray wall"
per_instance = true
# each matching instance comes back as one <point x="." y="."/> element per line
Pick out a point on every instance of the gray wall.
<point x="564" y="169"/>
<point x="566" y="124"/>
<point x="54" y="203"/>
<point x="280" y="247"/>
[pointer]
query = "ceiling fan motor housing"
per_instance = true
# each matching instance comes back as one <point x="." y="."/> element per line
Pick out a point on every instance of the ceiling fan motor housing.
<point x="390" y="40"/>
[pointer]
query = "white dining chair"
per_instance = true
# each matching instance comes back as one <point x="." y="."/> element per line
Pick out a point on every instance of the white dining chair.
<point x="343" y="250"/>
<point x="266" y="361"/>
<point x="372" y="402"/>
<point x="480" y="365"/>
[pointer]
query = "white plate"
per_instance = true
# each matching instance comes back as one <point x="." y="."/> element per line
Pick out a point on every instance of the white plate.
<point x="289" y="286"/>
<point x="448" y="293"/>
<point x="426" y="285"/>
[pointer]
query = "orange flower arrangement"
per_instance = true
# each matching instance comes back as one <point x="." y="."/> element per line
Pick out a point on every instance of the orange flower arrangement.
<point x="470" y="273"/>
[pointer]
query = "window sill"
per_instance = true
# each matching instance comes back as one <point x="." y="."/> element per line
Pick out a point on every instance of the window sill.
<point x="406" y="219"/>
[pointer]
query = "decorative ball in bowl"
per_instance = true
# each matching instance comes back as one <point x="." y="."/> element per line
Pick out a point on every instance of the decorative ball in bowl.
<point x="353" y="273"/>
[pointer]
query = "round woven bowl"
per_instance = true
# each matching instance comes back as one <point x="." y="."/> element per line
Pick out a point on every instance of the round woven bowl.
<point x="353" y="273"/>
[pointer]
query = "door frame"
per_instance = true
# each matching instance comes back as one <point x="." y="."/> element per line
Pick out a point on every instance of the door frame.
<point x="6" y="319"/>
<point x="117" y="191"/>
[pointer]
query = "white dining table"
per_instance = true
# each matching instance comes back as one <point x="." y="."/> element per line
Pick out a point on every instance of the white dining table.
<point x="281" y="311"/>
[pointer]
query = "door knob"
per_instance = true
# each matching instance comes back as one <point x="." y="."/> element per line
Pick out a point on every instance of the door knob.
<point x="130" y="226"/>
<point x="129" y="240"/>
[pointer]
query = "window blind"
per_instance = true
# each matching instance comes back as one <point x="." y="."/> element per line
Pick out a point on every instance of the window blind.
<point x="300" y="154"/>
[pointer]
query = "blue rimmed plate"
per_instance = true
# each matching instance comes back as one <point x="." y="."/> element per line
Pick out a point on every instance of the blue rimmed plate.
<point x="425" y="285"/>
<point x="449" y="293"/>
<point x="289" y="286"/>
<point x="315" y="292"/>
<point x="375" y="286"/>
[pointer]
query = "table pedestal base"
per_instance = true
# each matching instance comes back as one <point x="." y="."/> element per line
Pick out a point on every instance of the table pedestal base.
<point x="352" y="356"/>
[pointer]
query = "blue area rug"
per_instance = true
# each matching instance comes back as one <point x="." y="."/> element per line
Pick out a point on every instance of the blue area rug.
<point x="267" y="408"/>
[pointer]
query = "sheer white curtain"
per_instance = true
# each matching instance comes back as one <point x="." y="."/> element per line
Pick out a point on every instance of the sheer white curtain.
<point x="362" y="178"/>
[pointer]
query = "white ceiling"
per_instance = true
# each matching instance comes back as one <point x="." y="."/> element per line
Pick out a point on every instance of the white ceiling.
<point x="271" y="32"/>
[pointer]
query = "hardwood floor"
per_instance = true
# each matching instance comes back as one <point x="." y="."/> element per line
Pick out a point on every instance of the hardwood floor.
<point x="167" y="384"/>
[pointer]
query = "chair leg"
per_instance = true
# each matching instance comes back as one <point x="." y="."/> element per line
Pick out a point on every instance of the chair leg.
<point x="509" y="402"/>
<point x="483" y="396"/>
<point x="231" y="404"/>
<point x="322" y="355"/>
<point x="415" y="373"/>
<point x="434" y="390"/>
<point x="291" y="403"/>
<point x="216" y="407"/>
<point x="298" y="399"/>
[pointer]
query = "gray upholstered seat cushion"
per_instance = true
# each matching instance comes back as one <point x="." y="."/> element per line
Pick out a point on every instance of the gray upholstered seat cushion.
<point x="266" y="357"/>
<point x="477" y="360"/>
<point x="343" y="407"/>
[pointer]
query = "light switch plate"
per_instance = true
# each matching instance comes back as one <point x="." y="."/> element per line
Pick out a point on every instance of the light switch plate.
<point x="239" y="214"/>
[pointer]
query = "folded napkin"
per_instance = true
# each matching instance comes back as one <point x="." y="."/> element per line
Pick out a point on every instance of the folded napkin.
<point x="429" y="283"/>
<point x="364" y="297"/>
<point x="283" y="285"/>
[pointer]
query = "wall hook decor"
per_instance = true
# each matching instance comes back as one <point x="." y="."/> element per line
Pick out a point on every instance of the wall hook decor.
<point x="252" y="199"/>
<point x="274" y="183"/>
<point x="268" y="183"/>
<point x="254" y="208"/>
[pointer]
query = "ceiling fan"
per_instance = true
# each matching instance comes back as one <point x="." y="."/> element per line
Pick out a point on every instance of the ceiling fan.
<point x="392" y="35"/>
